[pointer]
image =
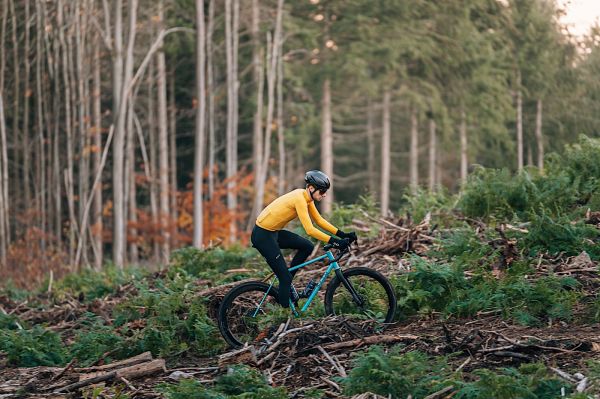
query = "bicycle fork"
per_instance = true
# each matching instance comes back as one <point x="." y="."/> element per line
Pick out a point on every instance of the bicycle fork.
<point x="355" y="296"/>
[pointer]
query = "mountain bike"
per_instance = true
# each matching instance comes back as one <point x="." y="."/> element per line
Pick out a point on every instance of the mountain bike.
<point x="250" y="312"/>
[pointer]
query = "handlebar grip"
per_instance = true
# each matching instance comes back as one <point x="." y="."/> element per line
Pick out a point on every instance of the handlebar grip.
<point x="327" y="247"/>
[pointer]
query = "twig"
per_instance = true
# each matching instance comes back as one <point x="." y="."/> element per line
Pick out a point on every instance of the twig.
<point x="463" y="364"/>
<point x="440" y="392"/>
<point x="564" y="375"/>
<point x="339" y="368"/>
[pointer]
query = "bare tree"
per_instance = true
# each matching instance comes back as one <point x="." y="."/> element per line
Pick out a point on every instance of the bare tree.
<point x="65" y="44"/>
<point x="123" y="95"/>
<point x="118" y="241"/>
<point x="273" y="48"/>
<point x="414" y="150"/>
<point x="519" y="123"/>
<point x="326" y="140"/>
<point x="97" y="140"/>
<point x="211" y="98"/>
<point x="432" y="153"/>
<point x="463" y="145"/>
<point x="385" y="154"/>
<point x="153" y="167"/>
<point x="258" y="75"/>
<point x="26" y="103"/>
<point x="173" y="153"/>
<point x="538" y="134"/>
<point x="371" y="147"/>
<point x="163" y="144"/>
<point x="41" y="159"/>
<point x="200" y="125"/>
<point x="3" y="184"/>
<point x="4" y="237"/>
<point x="231" y="44"/>
<point x="280" y="135"/>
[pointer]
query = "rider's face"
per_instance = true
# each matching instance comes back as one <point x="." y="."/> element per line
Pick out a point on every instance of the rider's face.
<point x="316" y="194"/>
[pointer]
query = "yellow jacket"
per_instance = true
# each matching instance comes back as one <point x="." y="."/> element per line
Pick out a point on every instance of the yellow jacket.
<point x="294" y="204"/>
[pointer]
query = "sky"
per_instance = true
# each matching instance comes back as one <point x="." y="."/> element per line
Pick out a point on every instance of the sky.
<point x="580" y="15"/>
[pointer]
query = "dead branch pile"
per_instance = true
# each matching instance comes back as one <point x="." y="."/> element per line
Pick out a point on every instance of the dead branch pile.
<point x="59" y="382"/>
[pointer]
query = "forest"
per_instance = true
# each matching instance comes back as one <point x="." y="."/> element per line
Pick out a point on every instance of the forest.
<point x="140" y="139"/>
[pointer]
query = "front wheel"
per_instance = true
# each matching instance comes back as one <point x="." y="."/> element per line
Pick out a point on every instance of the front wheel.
<point x="361" y="292"/>
<point x="250" y="312"/>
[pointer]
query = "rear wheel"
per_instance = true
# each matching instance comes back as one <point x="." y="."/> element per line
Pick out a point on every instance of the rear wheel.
<point x="361" y="292"/>
<point x="250" y="313"/>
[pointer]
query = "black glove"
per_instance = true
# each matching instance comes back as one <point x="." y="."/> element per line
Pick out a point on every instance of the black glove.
<point x="350" y="236"/>
<point x="341" y="244"/>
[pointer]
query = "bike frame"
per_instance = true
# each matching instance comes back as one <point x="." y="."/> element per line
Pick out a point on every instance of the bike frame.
<point x="333" y="265"/>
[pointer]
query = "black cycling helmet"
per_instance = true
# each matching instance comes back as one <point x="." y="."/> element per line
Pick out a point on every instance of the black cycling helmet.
<point x="317" y="179"/>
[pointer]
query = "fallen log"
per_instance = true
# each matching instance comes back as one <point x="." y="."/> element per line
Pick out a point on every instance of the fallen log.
<point x="141" y="358"/>
<point x="131" y="372"/>
<point x="372" y="340"/>
<point x="246" y="355"/>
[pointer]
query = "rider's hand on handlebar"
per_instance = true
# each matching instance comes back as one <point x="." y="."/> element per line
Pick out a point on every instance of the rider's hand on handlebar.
<point x="341" y="244"/>
<point x="351" y="236"/>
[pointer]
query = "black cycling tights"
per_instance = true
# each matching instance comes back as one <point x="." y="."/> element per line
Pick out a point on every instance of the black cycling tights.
<point x="269" y="244"/>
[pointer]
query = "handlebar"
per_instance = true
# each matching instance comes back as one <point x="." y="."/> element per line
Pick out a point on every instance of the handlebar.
<point x="340" y="254"/>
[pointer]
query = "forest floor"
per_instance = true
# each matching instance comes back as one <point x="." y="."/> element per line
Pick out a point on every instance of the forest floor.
<point x="312" y="353"/>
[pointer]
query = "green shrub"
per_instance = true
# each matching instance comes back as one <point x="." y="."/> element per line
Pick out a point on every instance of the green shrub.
<point x="463" y="247"/>
<point x="343" y="215"/>
<point x="581" y="163"/>
<point x="492" y="192"/>
<point x="93" y="284"/>
<point x="556" y="235"/>
<point x="212" y="263"/>
<point x="34" y="347"/>
<point x="395" y="373"/>
<point x="444" y="288"/>
<point x="9" y="322"/>
<point x="529" y="381"/>
<point x="423" y="201"/>
<point x="95" y="340"/>
<point x="240" y="382"/>
<point x="174" y="319"/>
<point x="428" y="287"/>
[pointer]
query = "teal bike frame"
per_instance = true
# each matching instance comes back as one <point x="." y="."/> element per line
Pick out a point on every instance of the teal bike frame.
<point x="333" y="265"/>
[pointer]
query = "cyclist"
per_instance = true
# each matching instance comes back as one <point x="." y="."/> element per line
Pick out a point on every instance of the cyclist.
<point x="269" y="237"/>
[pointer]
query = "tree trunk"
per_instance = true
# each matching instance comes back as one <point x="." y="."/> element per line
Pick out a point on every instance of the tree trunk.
<point x="211" y="98"/>
<point x="97" y="140"/>
<point x="200" y="125"/>
<point x="432" y="153"/>
<point x="83" y="117"/>
<point x="538" y="135"/>
<point x="231" y="39"/>
<point x="327" y="142"/>
<point x="152" y="139"/>
<point x="120" y="136"/>
<point x="163" y="146"/>
<point x="132" y="190"/>
<point x="385" y="155"/>
<point x="414" y="150"/>
<point x="41" y="159"/>
<point x="16" y="111"/>
<point x="371" y="147"/>
<point x="257" y="136"/>
<point x="173" y="155"/>
<point x="119" y="237"/>
<point x="3" y="184"/>
<point x="69" y="172"/>
<point x="280" y="135"/>
<point x="26" y="104"/>
<point x="463" y="145"/>
<point x="273" y="49"/>
<point x="519" y="123"/>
